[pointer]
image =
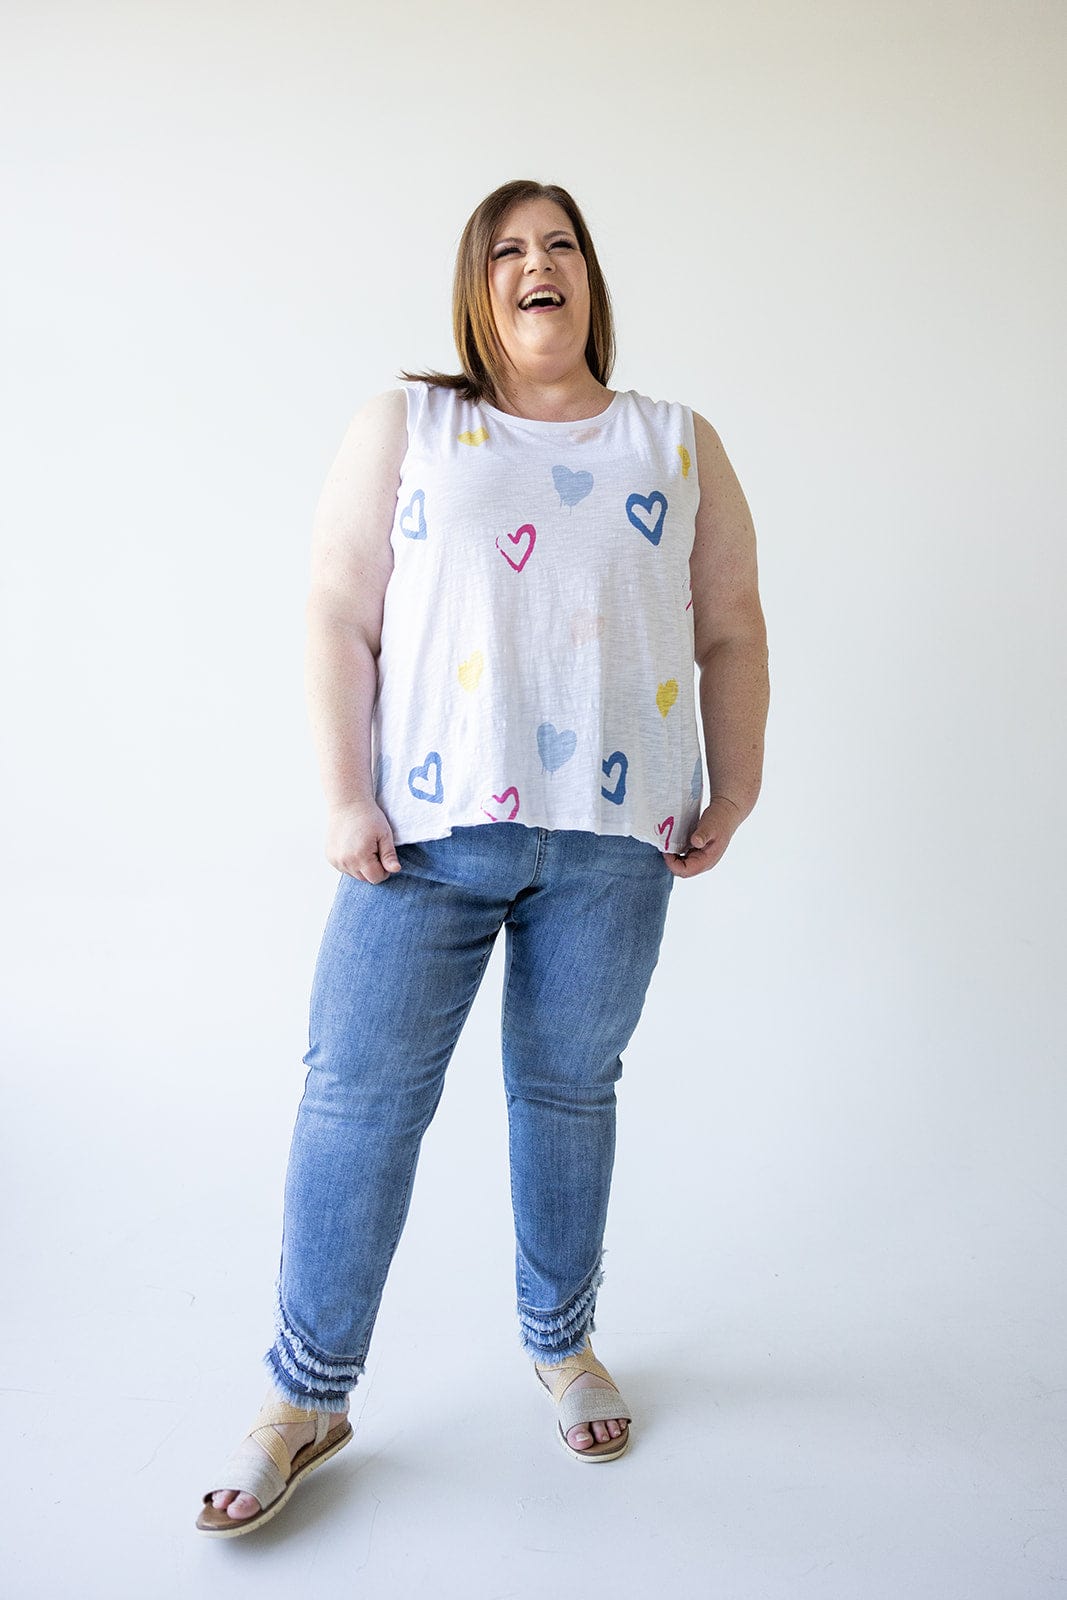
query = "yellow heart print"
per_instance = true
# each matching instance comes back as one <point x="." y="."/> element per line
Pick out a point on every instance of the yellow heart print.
<point x="479" y="437"/>
<point x="666" y="695"/>
<point x="471" y="670"/>
<point x="687" y="460"/>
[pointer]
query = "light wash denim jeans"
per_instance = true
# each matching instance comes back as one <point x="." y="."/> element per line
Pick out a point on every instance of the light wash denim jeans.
<point x="399" y="966"/>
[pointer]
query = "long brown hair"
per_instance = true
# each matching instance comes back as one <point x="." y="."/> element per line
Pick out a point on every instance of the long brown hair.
<point x="483" y="361"/>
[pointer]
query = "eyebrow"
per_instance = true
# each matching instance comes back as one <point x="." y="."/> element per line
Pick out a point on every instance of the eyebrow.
<point x="553" y="233"/>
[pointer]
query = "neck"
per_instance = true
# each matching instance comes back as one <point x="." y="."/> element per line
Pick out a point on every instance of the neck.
<point x="569" y="398"/>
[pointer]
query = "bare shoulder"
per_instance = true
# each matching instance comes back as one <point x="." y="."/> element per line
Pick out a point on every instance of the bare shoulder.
<point x="723" y="566"/>
<point x="723" y="514"/>
<point x="388" y="407"/>
<point x="715" y="473"/>
<point x="379" y="428"/>
<point x="369" y="458"/>
<point x="351" y="554"/>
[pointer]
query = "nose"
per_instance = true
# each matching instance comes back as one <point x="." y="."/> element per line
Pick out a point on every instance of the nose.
<point x="537" y="258"/>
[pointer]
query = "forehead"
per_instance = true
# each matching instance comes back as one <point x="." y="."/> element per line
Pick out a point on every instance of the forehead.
<point x="531" y="217"/>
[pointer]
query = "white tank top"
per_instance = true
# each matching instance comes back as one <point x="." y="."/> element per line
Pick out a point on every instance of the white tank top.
<point x="536" y="657"/>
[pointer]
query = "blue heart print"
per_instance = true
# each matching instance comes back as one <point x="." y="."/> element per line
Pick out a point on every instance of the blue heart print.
<point x="433" y="760"/>
<point x="555" y="748"/>
<point x="414" y="513"/>
<point x="618" y="794"/>
<point x="647" y="502"/>
<point x="571" y="486"/>
<point x="381" y="773"/>
<point x="697" y="784"/>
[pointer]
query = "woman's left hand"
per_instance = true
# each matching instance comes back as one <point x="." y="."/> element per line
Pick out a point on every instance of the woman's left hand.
<point x="717" y="825"/>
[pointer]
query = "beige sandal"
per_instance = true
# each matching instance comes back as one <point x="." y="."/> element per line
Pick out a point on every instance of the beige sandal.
<point x="273" y="1476"/>
<point x="585" y="1404"/>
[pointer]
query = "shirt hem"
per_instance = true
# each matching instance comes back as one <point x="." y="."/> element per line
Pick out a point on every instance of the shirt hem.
<point x="445" y="830"/>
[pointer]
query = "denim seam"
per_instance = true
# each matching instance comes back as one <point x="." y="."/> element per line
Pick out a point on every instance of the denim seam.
<point x="509" y="938"/>
<point x="539" y="859"/>
<point x="519" y="1268"/>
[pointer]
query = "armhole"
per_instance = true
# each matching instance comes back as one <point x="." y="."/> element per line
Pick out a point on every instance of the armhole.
<point x="689" y="430"/>
<point x="415" y="392"/>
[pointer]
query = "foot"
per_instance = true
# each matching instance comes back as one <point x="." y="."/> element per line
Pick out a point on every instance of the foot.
<point x="579" y="1437"/>
<point x="239" y="1505"/>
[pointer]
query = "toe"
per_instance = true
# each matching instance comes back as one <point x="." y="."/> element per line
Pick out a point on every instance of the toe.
<point x="579" y="1437"/>
<point x="222" y="1498"/>
<point x="245" y="1505"/>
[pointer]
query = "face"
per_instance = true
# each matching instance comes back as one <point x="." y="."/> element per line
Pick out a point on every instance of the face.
<point x="536" y="248"/>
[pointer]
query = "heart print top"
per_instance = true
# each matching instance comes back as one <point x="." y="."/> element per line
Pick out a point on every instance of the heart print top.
<point x="536" y="660"/>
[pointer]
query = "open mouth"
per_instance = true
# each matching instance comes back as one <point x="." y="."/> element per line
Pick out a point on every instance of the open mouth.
<point x="541" y="300"/>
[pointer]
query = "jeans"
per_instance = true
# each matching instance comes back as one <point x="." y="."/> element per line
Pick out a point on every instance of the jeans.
<point x="398" y="969"/>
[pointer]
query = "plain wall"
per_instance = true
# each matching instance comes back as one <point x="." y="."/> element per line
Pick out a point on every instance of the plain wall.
<point x="837" y="231"/>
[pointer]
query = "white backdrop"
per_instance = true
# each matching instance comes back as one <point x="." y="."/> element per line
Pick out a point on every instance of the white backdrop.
<point x="834" y="1270"/>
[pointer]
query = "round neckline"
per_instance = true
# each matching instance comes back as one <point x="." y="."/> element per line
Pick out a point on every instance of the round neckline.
<point x="555" y="425"/>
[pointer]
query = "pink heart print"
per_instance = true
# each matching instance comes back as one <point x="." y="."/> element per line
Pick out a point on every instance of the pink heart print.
<point x="527" y="532"/>
<point x="500" y="800"/>
<point x="668" y="825"/>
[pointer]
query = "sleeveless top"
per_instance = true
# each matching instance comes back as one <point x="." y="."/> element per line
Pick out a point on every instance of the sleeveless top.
<point x="536" y="660"/>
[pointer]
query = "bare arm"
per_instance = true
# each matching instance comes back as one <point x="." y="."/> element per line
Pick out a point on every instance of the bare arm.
<point x="730" y="641"/>
<point x="351" y="563"/>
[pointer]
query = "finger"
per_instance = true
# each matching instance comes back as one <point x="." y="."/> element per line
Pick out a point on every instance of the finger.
<point x="387" y="853"/>
<point x="350" y="866"/>
<point x="367" y="869"/>
<point x="718" y="846"/>
<point x="374" y="872"/>
<point x="693" y="863"/>
<point x="684" y="868"/>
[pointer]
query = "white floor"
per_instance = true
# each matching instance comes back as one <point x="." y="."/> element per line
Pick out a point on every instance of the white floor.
<point x="848" y="1368"/>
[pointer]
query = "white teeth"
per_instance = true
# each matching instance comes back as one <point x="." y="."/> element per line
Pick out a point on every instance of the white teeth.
<point x="547" y="297"/>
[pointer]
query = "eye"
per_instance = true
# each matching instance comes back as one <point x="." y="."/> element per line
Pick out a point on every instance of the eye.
<point x="563" y="244"/>
<point x="508" y="250"/>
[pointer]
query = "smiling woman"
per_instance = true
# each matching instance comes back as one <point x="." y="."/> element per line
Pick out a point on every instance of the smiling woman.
<point x="495" y="234"/>
<point x="514" y="569"/>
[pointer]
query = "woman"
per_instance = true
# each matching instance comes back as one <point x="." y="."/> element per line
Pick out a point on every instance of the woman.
<point x="514" y="569"/>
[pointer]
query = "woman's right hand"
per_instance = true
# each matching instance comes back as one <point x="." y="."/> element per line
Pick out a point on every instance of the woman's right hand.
<point x="359" y="841"/>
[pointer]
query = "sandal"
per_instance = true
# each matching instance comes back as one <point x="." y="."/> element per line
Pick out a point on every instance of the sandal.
<point x="273" y="1476"/>
<point x="585" y="1404"/>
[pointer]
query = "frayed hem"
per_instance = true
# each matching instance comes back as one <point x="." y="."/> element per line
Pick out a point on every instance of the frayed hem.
<point x="551" y="1339"/>
<point x="323" y="1399"/>
<point x="303" y="1375"/>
